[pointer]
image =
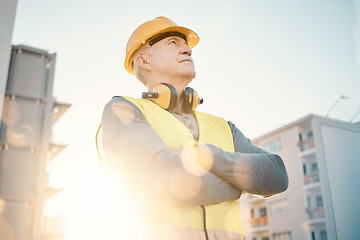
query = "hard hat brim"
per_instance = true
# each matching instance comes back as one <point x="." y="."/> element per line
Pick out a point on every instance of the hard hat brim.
<point x="191" y="37"/>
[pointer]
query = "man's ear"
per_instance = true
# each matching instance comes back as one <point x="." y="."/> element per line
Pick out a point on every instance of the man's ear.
<point x="142" y="62"/>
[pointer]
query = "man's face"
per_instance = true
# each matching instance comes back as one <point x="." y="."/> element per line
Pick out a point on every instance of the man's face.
<point x="171" y="59"/>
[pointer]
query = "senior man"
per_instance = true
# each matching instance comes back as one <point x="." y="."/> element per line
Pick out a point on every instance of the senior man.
<point x="187" y="169"/>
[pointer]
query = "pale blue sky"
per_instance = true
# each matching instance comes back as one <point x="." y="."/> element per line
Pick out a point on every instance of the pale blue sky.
<point x="260" y="64"/>
<point x="270" y="62"/>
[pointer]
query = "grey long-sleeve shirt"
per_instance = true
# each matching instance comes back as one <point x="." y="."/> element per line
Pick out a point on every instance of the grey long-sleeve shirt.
<point x="133" y="148"/>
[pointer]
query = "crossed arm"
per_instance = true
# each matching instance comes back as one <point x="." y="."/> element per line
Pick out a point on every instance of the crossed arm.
<point x="134" y="148"/>
<point x="249" y="168"/>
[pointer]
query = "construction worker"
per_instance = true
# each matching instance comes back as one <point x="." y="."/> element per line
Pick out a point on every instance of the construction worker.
<point x="187" y="169"/>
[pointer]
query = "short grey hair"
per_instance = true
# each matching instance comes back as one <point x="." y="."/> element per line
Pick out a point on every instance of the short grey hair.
<point x="137" y="69"/>
<point x="138" y="72"/>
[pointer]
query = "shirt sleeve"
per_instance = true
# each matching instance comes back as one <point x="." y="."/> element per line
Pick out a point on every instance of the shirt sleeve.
<point x="133" y="148"/>
<point x="249" y="168"/>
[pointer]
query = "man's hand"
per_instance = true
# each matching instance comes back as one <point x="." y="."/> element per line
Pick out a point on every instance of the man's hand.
<point x="189" y="158"/>
<point x="205" y="157"/>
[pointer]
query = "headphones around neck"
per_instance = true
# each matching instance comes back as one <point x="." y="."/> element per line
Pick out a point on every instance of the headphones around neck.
<point x="165" y="96"/>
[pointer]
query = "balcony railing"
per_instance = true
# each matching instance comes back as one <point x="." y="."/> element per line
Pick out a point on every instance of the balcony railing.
<point x="315" y="213"/>
<point x="306" y="144"/>
<point x="311" y="178"/>
<point x="258" y="222"/>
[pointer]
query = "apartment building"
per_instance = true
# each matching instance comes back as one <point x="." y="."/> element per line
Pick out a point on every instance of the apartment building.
<point x="322" y="157"/>
<point x="26" y="146"/>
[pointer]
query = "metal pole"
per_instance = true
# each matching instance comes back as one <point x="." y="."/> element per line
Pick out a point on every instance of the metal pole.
<point x="357" y="112"/>
<point x="336" y="102"/>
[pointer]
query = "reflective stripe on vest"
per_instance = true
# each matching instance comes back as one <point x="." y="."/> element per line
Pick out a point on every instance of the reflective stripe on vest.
<point x="213" y="130"/>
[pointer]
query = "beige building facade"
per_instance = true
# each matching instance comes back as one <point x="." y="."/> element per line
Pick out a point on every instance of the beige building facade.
<point x="322" y="157"/>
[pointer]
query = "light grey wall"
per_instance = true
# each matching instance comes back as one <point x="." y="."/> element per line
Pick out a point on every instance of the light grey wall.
<point x="7" y="18"/>
<point x="341" y="162"/>
<point x="357" y="45"/>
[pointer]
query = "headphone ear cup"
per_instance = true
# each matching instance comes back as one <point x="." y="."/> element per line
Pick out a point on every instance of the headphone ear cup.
<point x="167" y="96"/>
<point x="191" y="100"/>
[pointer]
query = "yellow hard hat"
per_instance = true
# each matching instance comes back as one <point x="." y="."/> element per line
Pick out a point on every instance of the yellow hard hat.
<point x="153" y="28"/>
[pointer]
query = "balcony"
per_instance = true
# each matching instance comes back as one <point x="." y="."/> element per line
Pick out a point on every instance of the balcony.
<point x="315" y="213"/>
<point x="306" y="144"/>
<point x="259" y="222"/>
<point x="311" y="178"/>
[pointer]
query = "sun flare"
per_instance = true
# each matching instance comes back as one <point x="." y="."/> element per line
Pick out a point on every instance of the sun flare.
<point x="96" y="208"/>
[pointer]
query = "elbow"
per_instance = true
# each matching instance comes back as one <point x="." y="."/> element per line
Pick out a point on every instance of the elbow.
<point x="283" y="178"/>
<point x="284" y="183"/>
<point x="282" y="186"/>
<point x="277" y="180"/>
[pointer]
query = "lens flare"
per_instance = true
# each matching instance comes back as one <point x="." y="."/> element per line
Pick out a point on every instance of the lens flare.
<point x="125" y="114"/>
<point x="186" y="188"/>
<point x="189" y="157"/>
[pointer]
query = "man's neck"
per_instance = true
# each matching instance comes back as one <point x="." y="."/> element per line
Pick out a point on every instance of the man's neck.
<point x="179" y="85"/>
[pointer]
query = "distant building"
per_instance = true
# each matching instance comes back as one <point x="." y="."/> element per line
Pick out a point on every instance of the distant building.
<point x="26" y="147"/>
<point x="7" y="19"/>
<point x="322" y="157"/>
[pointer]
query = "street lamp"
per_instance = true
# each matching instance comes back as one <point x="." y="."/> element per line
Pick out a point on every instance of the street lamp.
<point x="357" y="112"/>
<point x="336" y="102"/>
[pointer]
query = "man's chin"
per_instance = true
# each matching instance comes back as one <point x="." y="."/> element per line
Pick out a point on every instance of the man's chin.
<point x="191" y="74"/>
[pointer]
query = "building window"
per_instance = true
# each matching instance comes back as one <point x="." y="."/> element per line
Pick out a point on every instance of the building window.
<point x="282" y="236"/>
<point x="323" y="235"/>
<point x="319" y="201"/>
<point x="306" y="143"/>
<point x="314" y="167"/>
<point x="313" y="235"/>
<point x="310" y="135"/>
<point x="263" y="212"/>
<point x="278" y="207"/>
<point x="273" y="146"/>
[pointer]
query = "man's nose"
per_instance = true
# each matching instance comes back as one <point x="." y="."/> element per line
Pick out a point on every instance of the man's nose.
<point x="186" y="50"/>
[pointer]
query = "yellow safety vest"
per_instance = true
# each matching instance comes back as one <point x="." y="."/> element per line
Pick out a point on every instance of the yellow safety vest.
<point x="222" y="218"/>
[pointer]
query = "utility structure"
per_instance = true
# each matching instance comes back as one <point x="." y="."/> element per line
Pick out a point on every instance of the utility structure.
<point x="322" y="157"/>
<point x="26" y="147"/>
